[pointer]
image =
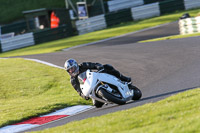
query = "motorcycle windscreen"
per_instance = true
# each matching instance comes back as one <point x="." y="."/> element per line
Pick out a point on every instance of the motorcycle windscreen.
<point x="82" y="77"/>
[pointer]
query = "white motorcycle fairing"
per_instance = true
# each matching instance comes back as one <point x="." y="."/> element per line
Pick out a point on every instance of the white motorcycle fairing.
<point x="91" y="82"/>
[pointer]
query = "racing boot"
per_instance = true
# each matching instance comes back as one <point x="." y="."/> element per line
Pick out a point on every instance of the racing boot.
<point x="124" y="78"/>
<point x="97" y="104"/>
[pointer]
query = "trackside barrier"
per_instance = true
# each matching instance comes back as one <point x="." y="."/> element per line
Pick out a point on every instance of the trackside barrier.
<point x="170" y="6"/>
<point x="47" y="35"/>
<point x="0" y="40"/>
<point x="115" y="5"/>
<point x="118" y="17"/>
<point x="135" y="13"/>
<point x="17" y="27"/>
<point x="189" y="4"/>
<point x="7" y="35"/>
<point x="189" y="25"/>
<point x="16" y="42"/>
<point x="166" y="6"/>
<point x="151" y="1"/>
<point x="146" y="11"/>
<point x="0" y="47"/>
<point x="91" y="24"/>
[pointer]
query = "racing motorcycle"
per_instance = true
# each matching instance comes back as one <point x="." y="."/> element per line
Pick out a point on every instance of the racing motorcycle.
<point x="104" y="88"/>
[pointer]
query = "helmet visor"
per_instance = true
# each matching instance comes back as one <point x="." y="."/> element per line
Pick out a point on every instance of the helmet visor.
<point x="72" y="71"/>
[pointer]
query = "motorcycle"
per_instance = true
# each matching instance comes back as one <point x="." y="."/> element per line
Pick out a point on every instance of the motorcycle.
<point x="104" y="88"/>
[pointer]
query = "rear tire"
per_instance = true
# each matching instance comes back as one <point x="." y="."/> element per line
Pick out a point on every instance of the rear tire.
<point x="137" y="93"/>
<point x="110" y="97"/>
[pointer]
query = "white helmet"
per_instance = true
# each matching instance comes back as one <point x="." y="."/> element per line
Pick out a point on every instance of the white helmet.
<point x="71" y="66"/>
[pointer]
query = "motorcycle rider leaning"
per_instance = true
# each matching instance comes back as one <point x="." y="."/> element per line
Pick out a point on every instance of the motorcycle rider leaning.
<point x="73" y="69"/>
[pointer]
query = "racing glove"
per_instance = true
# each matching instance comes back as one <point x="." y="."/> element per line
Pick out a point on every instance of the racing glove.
<point x="99" y="66"/>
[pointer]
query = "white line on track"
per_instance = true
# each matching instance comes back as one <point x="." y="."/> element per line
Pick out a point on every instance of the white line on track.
<point x="44" y="62"/>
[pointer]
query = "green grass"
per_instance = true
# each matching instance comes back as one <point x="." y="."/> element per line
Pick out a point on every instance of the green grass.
<point x="98" y="35"/>
<point x="30" y="89"/>
<point x="177" y="114"/>
<point x="171" y="37"/>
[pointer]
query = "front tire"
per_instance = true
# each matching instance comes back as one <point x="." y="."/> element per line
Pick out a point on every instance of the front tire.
<point x="137" y="93"/>
<point x="110" y="97"/>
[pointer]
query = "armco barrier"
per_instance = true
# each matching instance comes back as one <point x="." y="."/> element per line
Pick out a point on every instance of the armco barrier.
<point x="16" y="42"/>
<point x="189" y="4"/>
<point x="146" y="11"/>
<point x="118" y="17"/>
<point x="52" y="34"/>
<point x="91" y="24"/>
<point x="170" y="6"/>
<point x="115" y="5"/>
<point x="189" y="25"/>
<point x="159" y="7"/>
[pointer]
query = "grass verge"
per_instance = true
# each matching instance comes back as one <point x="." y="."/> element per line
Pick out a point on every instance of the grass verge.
<point x="31" y="89"/>
<point x="98" y="35"/>
<point x="177" y="114"/>
<point x="171" y="37"/>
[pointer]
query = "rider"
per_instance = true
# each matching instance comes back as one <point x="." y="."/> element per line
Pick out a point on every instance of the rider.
<point x="72" y="67"/>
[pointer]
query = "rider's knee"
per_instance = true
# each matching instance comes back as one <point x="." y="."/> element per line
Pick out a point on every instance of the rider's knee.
<point x="108" y="67"/>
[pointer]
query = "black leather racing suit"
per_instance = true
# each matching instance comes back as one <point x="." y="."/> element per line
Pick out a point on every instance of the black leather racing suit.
<point x="95" y="66"/>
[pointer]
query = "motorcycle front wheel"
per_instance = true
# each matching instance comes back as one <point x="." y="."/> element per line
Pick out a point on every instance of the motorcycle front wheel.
<point x="137" y="93"/>
<point x="110" y="97"/>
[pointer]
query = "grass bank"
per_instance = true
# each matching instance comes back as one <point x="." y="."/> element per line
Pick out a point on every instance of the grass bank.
<point x="171" y="37"/>
<point x="98" y="35"/>
<point x="177" y="114"/>
<point x="31" y="89"/>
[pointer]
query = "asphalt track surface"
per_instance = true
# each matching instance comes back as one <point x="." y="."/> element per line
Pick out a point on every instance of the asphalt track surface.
<point x="159" y="69"/>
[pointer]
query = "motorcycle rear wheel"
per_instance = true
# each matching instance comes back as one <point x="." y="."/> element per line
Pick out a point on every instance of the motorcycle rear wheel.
<point x="110" y="97"/>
